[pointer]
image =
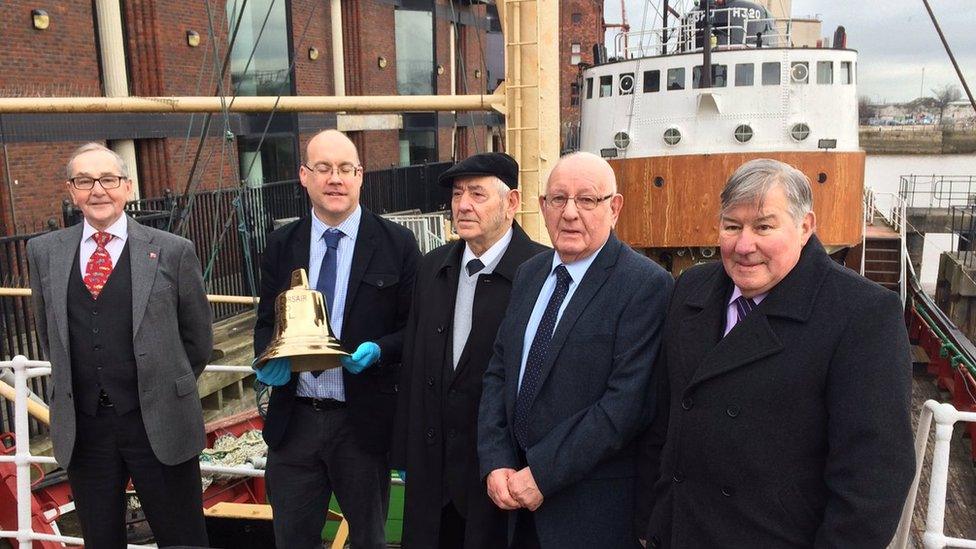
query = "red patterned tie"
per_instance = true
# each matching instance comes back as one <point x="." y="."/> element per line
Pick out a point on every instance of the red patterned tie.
<point x="99" y="265"/>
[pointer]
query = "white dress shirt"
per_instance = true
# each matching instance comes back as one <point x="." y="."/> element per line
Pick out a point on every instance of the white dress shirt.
<point x="120" y="233"/>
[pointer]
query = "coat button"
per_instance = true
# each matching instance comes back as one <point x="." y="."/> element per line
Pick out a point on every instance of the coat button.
<point x="732" y="410"/>
<point x="430" y="433"/>
<point x="678" y="477"/>
<point x="430" y="381"/>
<point x="728" y="491"/>
<point x="379" y="283"/>
<point x="687" y="403"/>
<point x="440" y="329"/>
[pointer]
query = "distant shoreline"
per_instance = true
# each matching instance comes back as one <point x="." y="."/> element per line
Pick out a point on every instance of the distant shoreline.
<point x="917" y="140"/>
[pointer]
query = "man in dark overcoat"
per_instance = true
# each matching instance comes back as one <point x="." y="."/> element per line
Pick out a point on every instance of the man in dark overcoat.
<point x="565" y="393"/>
<point x="461" y="294"/>
<point x="789" y="382"/>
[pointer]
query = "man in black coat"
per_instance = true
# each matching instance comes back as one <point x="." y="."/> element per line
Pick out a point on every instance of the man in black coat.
<point x="330" y="431"/>
<point x="461" y="294"/>
<point x="789" y="382"/>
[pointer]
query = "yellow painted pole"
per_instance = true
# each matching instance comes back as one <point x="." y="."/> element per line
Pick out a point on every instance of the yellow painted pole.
<point x="377" y="103"/>
<point x="212" y="298"/>
<point x="36" y="410"/>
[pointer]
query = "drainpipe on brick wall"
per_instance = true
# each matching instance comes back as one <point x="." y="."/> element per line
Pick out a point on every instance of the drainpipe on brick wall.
<point x="114" y="77"/>
<point x="338" y="65"/>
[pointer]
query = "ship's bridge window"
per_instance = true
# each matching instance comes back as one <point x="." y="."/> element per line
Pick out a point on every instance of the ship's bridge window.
<point x="770" y="74"/>
<point x="606" y="86"/>
<point x="745" y="74"/>
<point x="719" y="76"/>
<point x="652" y="81"/>
<point x="800" y="72"/>
<point x="676" y="78"/>
<point x="589" y="88"/>
<point x="846" y="72"/>
<point x="825" y="72"/>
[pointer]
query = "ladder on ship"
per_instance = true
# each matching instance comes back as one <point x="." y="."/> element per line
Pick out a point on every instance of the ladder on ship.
<point x="883" y="249"/>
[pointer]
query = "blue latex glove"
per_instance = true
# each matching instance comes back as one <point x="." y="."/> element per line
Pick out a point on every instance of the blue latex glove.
<point x="365" y="356"/>
<point x="403" y="475"/>
<point x="276" y="372"/>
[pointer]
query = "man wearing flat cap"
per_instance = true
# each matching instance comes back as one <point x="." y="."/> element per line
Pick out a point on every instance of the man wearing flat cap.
<point x="460" y="297"/>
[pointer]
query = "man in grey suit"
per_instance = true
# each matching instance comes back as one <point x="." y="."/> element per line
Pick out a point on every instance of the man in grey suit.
<point x="122" y="315"/>
<point x="565" y="392"/>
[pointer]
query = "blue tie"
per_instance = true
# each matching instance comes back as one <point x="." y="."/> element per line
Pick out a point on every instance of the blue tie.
<point x="538" y="352"/>
<point x="327" y="272"/>
<point x="743" y="306"/>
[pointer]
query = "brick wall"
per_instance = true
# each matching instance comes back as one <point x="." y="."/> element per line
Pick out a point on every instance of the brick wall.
<point x="586" y="31"/>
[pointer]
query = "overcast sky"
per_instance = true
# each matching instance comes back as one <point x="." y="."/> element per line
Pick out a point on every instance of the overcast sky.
<point x="895" y="39"/>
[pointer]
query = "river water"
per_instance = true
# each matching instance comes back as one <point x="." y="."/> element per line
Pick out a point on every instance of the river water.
<point x="882" y="173"/>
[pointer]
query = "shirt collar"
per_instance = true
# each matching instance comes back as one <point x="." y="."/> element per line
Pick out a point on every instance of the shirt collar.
<point x="737" y="293"/>
<point x="349" y="226"/>
<point x="492" y="255"/>
<point x="577" y="268"/>
<point x="119" y="229"/>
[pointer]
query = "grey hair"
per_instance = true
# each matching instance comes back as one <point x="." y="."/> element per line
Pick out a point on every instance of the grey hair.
<point x="752" y="180"/>
<point x="89" y="147"/>
<point x="583" y="155"/>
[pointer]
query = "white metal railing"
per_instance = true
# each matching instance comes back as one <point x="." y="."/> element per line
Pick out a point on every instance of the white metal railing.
<point x="892" y="208"/>
<point x="25" y="369"/>
<point x="934" y="537"/>
<point x="430" y="229"/>
<point x="684" y="37"/>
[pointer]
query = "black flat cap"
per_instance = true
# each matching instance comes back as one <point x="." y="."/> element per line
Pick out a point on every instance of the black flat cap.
<point x="500" y="165"/>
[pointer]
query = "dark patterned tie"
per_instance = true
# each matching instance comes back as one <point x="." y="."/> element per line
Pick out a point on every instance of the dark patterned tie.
<point x="743" y="306"/>
<point x="474" y="266"/>
<point x="327" y="272"/>
<point x="99" y="265"/>
<point x="538" y="352"/>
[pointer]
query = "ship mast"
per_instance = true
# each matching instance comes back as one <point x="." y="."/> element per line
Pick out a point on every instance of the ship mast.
<point x="706" y="72"/>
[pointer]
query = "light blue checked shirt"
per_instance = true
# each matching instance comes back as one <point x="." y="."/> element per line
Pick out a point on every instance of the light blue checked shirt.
<point x="577" y="270"/>
<point x="329" y="383"/>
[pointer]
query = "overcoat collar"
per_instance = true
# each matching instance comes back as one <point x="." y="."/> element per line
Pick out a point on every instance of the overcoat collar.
<point x="709" y="354"/>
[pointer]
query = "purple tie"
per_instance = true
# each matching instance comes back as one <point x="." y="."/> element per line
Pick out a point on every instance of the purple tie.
<point x="743" y="306"/>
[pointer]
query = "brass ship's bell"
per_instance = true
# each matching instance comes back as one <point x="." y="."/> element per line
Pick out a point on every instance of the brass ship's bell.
<point x="302" y="331"/>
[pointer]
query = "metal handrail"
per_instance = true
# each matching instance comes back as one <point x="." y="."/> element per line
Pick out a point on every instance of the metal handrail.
<point x="212" y="298"/>
<point x="945" y="416"/>
<point x="895" y="215"/>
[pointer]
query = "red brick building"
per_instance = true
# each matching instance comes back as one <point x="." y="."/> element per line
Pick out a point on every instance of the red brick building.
<point x="176" y="48"/>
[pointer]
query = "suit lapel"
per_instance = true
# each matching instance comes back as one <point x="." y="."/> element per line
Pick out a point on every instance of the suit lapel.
<point x="63" y="260"/>
<point x="522" y="315"/>
<point x="144" y="261"/>
<point x="300" y="239"/>
<point x="593" y="280"/>
<point x="362" y="252"/>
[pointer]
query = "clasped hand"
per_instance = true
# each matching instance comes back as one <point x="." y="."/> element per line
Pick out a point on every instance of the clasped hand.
<point x="511" y="489"/>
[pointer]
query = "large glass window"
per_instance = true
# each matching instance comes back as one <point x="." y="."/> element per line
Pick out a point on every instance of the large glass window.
<point x="272" y="159"/>
<point x="414" y="35"/>
<point x="417" y="147"/>
<point x="770" y="74"/>
<point x="676" y="78"/>
<point x="745" y="74"/>
<point x="846" y="73"/>
<point x="719" y="76"/>
<point x="825" y="72"/>
<point x="259" y="61"/>
<point x="652" y="81"/>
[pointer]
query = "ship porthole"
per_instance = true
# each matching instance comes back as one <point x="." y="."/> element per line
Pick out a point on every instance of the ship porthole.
<point x="800" y="131"/>
<point x="672" y="136"/>
<point x="621" y="140"/>
<point x="743" y="133"/>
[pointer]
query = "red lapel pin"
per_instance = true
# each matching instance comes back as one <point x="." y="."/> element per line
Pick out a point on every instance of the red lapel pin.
<point x="152" y="255"/>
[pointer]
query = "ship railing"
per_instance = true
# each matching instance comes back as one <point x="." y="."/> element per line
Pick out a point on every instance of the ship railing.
<point x="945" y="416"/>
<point x="685" y="38"/>
<point x="25" y="369"/>
<point x="431" y="230"/>
<point x="937" y="191"/>
<point x="892" y="209"/>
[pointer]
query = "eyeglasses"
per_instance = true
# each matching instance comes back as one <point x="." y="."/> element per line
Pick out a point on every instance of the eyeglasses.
<point x="326" y="170"/>
<point x="559" y="201"/>
<point x="85" y="183"/>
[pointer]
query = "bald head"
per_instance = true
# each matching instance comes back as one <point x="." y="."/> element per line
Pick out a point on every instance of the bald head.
<point x="331" y="140"/>
<point x="596" y="169"/>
